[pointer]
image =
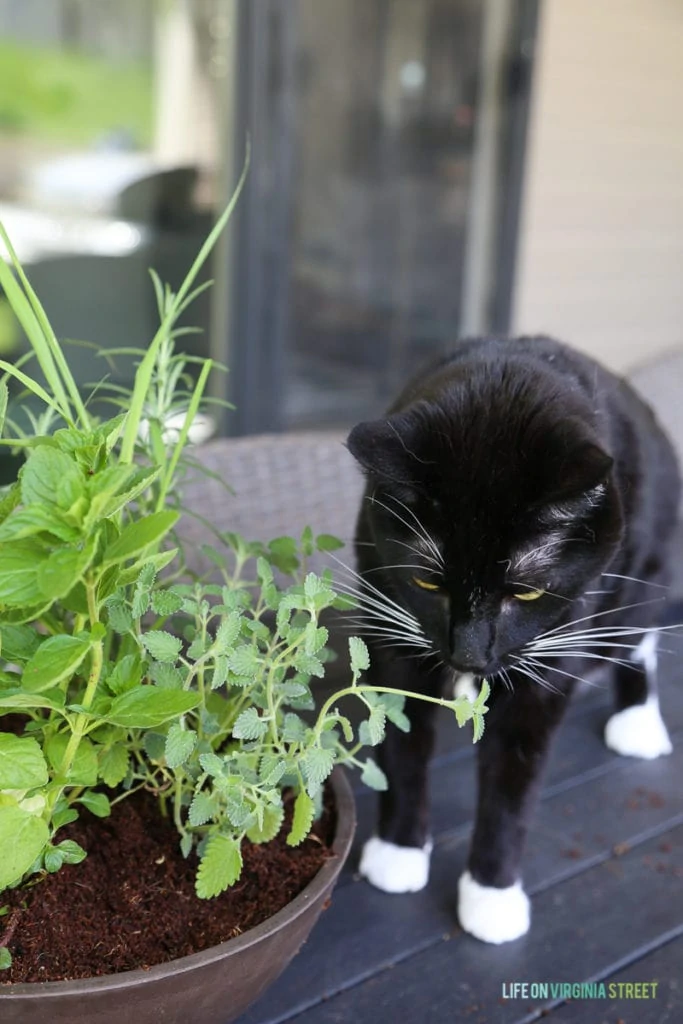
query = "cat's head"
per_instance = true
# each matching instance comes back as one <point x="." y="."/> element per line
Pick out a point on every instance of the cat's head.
<point x="490" y="507"/>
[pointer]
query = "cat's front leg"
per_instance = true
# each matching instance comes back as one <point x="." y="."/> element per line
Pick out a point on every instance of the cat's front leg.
<point x="397" y="859"/>
<point x="492" y="904"/>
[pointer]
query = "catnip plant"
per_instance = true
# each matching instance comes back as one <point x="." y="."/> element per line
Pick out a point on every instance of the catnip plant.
<point x="127" y="675"/>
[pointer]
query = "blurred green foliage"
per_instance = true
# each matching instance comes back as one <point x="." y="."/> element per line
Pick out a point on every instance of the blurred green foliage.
<point x="64" y="96"/>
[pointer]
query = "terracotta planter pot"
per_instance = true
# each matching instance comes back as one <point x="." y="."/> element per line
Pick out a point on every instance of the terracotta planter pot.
<point x="212" y="987"/>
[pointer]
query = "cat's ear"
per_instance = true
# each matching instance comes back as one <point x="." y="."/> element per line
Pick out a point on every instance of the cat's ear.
<point x="382" y="450"/>
<point x="581" y="469"/>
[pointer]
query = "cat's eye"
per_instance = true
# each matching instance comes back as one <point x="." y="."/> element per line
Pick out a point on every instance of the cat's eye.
<point x="529" y="595"/>
<point x="424" y="584"/>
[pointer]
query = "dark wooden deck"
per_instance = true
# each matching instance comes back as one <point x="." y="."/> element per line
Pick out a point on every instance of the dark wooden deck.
<point x="604" y="868"/>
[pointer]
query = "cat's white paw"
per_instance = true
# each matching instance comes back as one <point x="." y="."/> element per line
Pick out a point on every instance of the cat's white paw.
<point x="465" y="686"/>
<point x="638" y="731"/>
<point x="395" y="868"/>
<point x="493" y="915"/>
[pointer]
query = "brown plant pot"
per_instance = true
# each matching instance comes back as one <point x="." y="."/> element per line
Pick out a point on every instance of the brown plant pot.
<point x="211" y="987"/>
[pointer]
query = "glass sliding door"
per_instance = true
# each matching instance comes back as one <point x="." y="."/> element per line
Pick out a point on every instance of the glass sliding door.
<point x="367" y="236"/>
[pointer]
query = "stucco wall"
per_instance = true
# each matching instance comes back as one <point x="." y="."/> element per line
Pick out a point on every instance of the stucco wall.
<point x="600" y="260"/>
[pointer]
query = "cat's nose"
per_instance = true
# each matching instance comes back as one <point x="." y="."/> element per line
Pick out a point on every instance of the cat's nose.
<point x="471" y="644"/>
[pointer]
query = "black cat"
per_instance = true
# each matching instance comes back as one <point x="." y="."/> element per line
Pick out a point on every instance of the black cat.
<point x="515" y="526"/>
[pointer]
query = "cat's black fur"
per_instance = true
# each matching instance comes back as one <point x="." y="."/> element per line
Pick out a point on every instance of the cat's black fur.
<point x="531" y="468"/>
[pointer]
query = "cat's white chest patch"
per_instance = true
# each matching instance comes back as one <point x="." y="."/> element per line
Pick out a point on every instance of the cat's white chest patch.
<point x="465" y="686"/>
<point x="493" y="915"/>
<point x="395" y="868"/>
<point x="638" y="731"/>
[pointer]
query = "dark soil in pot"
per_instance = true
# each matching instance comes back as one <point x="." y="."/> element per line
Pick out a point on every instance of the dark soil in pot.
<point x="131" y="902"/>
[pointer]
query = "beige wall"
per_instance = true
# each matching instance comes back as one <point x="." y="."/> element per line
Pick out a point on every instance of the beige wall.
<point x="600" y="262"/>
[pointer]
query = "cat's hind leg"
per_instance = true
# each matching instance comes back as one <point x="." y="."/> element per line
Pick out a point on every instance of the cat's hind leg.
<point x="637" y="729"/>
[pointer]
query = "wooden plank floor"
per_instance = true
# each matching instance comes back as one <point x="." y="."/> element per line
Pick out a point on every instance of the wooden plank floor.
<point x="604" y="868"/>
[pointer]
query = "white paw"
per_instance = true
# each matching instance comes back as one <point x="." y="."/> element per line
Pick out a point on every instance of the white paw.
<point x="465" y="686"/>
<point x="395" y="868"/>
<point x="638" y="731"/>
<point x="493" y="915"/>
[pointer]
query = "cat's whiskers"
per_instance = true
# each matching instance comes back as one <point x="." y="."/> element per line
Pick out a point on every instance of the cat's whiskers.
<point x="539" y="666"/>
<point x="526" y="669"/>
<point x="420" y="532"/>
<point x="634" y="579"/>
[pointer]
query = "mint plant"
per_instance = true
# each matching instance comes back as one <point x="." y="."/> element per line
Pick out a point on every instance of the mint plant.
<point x="125" y="674"/>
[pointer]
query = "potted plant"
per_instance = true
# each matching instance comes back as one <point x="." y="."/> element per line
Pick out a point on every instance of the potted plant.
<point x="127" y="678"/>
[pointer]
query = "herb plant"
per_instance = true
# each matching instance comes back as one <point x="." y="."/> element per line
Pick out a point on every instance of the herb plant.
<point x="125" y="674"/>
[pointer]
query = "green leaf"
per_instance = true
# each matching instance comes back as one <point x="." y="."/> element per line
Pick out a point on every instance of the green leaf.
<point x="293" y="728"/>
<point x="376" y="724"/>
<point x="83" y="771"/>
<point x="22" y="765"/>
<point x="63" y="569"/>
<point x="245" y="661"/>
<point x="186" y="844"/>
<point x="166" y="602"/>
<point x="308" y="664"/>
<point x="326" y="542"/>
<point x="179" y="745"/>
<point x="212" y="764"/>
<point x="4" y="395"/>
<point x="307" y="541"/>
<point x="283" y="554"/>
<point x="219" y="868"/>
<point x="149" y="706"/>
<point x="373" y="776"/>
<point x="125" y="675"/>
<point x="316" y="765"/>
<point x="202" y="808"/>
<point x="120" y="618"/>
<point x="113" y="765"/>
<point x="167" y="677"/>
<point x="249" y="726"/>
<point x="227" y="633"/>
<point x="19" y="567"/>
<point x="478" y="727"/>
<point x="25" y="522"/>
<point x="271" y="769"/>
<point x="56" y="659"/>
<point x="52" y="860"/>
<point x="16" y="701"/>
<point x="315" y="637"/>
<point x="23" y="838"/>
<point x="268" y="827"/>
<point x="71" y="851"/>
<point x="139" y="535"/>
<point x="97" y="803"/>
<point x="5" y="958"/>
<point x="18" y="643"/>
<point x="155" y="745"/>
<point x="50" y="477"/>
<point x="304" y="812"/>
<point x="392" y="704"/>
<point x="360" y="657"/>
<point x="162" y="646"/>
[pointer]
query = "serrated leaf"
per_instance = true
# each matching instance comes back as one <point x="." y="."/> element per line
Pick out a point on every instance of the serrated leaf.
<point x="97" y="803"/>
<point x="309" y="664"/>
<point x="315" y="637"/>
<point x="304" y="812"/>
<point x="316" y="765"/>
<point x="219" y="868"/>
<point x="268" y="827"/>
<point x="245" y="661"/>
<point x="22" y="764"/>
<point x="227" y="633"/>
<point x="23" y="837"/>
<point x="360" y="657"/>
<point x="166" y="602"/>
<point x="392" y="704"/>
<point x="155" y="745"/>
<point x="62" y="570"/>
<point x="113" y="765"/>
<point x="271" y="769"/>
<point x="373" y="776"/>
<point x="219" y="674"/>
<point x="202" y="808"/>
<point x="149" y="706"/>
<point x="19" y="568"/>
<point x="51" y="477"/>
<point x="477" y="727"/>
<point x="186" y="844"/>
<point x="212" y="764"/>
<point x="179" y="745"/>
<point x="120" y="617"/>
<point x="249" y="726"/>
<point x="162" y="646"/>
<point x="167" y="677"/>
<point x="293" y="728"/>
